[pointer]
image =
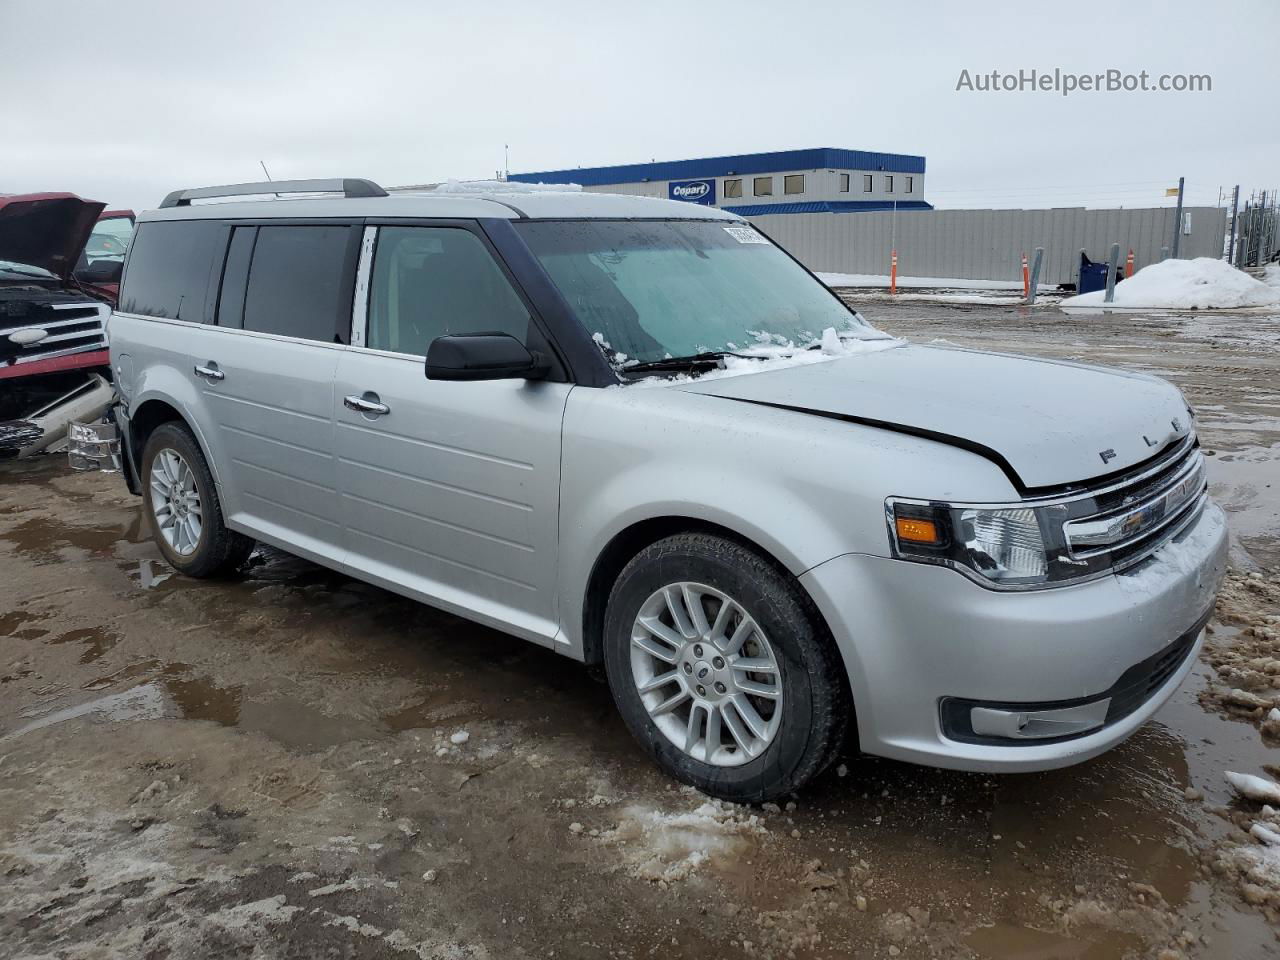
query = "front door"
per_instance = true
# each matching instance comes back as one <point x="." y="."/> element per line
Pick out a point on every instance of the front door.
<point x="449" y="490"/>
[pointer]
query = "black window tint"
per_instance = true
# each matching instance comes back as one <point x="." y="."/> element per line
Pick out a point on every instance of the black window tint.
<point x="300" y="282"/>
<point x="235" y="277"/>
<point x="431" y="281"/>
<point x="170" y="264"/>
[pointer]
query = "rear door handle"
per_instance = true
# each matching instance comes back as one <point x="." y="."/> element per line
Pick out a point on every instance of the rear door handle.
<point x="369" y="404"/>
<point x="210" y="371"/>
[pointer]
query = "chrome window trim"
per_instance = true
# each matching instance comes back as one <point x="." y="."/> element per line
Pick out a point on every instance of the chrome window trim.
<point x="364" y="272"/>
<point x="237" y="331"/>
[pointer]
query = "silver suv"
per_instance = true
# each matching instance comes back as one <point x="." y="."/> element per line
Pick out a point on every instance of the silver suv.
<point x="639" y="433"/>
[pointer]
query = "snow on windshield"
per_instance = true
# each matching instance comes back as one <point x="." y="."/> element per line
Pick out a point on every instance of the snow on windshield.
<point x="654" y="290"/>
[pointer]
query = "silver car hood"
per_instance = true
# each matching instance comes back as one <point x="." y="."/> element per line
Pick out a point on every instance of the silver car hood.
<point x="1046" y="423"/>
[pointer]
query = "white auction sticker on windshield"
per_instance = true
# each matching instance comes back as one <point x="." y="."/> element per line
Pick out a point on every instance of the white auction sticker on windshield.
<point x="746" y="235"/>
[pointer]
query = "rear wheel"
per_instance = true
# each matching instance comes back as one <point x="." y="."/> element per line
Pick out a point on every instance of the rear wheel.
<point x="182" y="506"/>
<point x="722" y="669"/>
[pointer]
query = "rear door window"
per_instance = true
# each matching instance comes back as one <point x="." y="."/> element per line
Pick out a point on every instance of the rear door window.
<point x="169" y="269"/>
<point x="300" y="282"/>
<point x="432" y="281"/>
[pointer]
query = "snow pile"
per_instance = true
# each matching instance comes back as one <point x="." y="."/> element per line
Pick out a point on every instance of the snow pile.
<point x="1199" y="284"/>
<point x="668" y="847"/>
<point x="1271" y="275"/>
<point x="504" y="186"/>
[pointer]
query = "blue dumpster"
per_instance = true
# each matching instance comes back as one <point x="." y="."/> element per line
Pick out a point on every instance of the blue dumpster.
<point x="1093" y="276"/>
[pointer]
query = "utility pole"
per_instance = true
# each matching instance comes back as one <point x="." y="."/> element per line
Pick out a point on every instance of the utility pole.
<point x="1235" y="207"/>
<point x="1177" y="218"/>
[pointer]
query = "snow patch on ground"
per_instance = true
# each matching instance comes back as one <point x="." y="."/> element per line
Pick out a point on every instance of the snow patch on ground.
<point x="1253" y="788"/>
<point x="1200" y="284"/>
<point x="670" y="847"/>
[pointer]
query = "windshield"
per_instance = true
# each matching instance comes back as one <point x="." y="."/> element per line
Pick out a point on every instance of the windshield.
<point x="13" y="269"/>
<point x="109" y="240"/>
<point x="648" y="290"/>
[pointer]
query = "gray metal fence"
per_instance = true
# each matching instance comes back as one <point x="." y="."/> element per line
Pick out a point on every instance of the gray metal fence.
<point x="989" y="244"/>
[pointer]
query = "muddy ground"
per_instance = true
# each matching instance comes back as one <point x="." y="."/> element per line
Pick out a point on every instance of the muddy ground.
<point x="294" y="764"/>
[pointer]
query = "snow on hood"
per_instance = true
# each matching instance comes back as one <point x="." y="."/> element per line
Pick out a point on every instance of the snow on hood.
<point x="46" y="230"/>
<point x="1199" y="284"/>
<point x="1050" y="422"/>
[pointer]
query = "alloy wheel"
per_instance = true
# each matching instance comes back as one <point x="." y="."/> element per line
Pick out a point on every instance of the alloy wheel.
<point x="706" y="674"/>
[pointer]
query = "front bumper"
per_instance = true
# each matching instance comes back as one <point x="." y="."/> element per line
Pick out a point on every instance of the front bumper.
<point x="916" y="638"/>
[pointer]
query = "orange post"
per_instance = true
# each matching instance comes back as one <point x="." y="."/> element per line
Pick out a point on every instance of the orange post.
<point x="1128" y="264"/>
<point x="1026" y="277"/>
<point x="893" y="271"/>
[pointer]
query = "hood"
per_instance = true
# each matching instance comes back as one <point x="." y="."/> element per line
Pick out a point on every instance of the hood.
<point x="46" y="230"/>
<point x="1046" y="423"/>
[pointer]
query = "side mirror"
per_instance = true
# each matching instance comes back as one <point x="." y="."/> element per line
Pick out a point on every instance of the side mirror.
<point x="483" y="356"/>
<point x="101" y="271"/>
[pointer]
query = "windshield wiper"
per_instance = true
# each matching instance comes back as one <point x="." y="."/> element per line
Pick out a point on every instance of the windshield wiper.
<point x="708" y="359"/>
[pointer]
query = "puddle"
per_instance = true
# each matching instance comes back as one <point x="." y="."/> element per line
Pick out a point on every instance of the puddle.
<point x="1003" y="941"/>
<point x="10" y="622"/>
<point x="148" y="578"/>
<point x="284" y="719"/>
<point x="1247" y="485"/>
<point x="147" y="702"/>
<point x="97" y="641"/>
<point x="44" y="538"/>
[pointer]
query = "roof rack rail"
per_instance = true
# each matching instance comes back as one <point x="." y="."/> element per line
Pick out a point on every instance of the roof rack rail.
<point x="348" y="187"/>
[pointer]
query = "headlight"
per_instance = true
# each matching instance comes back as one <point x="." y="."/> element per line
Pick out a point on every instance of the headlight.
<point x="1004" y="547"/>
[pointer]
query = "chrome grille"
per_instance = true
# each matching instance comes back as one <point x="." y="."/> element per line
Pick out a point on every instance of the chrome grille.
<point x="1133" y="517"/>
<point x="71" y="327"/>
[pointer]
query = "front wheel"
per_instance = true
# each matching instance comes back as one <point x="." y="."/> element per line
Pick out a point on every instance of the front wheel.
<point x="183" y="509"/>
<point x="722" y="669"/>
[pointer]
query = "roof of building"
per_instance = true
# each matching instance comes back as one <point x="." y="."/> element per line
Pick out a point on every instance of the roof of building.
<point x="545" y="204"/>
<point x="827" y="206"/>
<point x="831" y="158"/>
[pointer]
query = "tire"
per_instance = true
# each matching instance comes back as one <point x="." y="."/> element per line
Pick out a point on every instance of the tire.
<point x="205" y="547"/>
<point x="806" y="713"/>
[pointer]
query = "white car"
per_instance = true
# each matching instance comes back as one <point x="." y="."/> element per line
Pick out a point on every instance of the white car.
<point x="639" y="433"/>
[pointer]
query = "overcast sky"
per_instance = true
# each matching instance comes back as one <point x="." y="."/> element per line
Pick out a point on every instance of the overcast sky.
<point x="124" y="101"/>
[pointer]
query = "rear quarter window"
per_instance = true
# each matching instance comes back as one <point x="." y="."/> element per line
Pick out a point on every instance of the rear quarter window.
<point x="169" y="269"/>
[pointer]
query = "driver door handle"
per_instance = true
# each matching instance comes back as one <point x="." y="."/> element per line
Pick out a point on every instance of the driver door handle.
<point x="366" y="405"/>
<point x="211" y="371"/>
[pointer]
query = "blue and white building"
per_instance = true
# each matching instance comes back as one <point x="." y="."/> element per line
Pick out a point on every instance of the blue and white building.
<point x="821" y="180"/>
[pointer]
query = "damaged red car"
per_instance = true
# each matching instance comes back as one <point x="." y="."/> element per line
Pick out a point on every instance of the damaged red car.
<point x="60" y="263"/>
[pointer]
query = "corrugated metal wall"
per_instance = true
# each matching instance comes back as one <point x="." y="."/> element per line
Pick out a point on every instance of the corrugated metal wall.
<point x="988" y="244"/>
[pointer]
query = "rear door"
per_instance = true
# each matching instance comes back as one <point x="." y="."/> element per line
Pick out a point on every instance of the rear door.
<point x="449" y="490"/>
<point x="282" y="322"/>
